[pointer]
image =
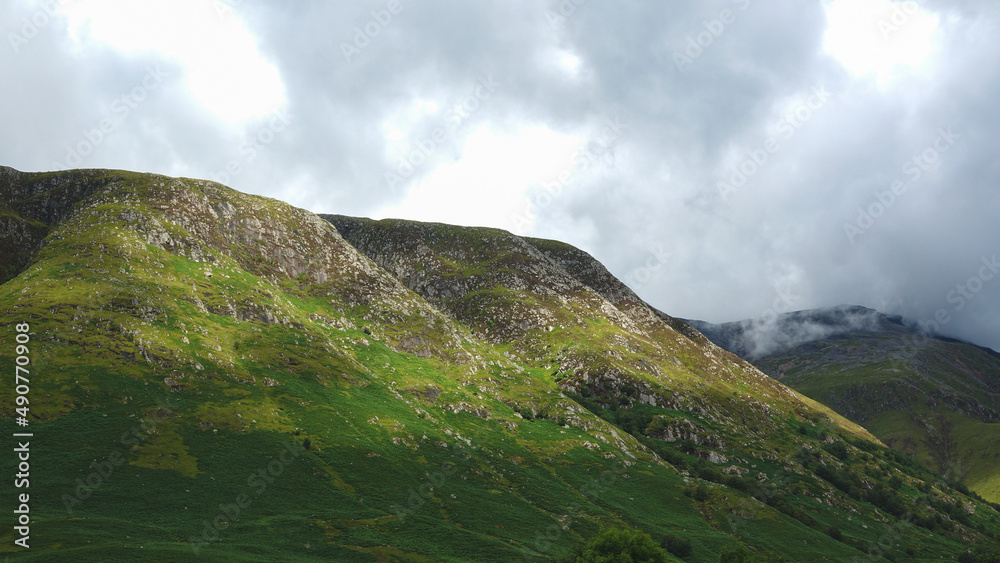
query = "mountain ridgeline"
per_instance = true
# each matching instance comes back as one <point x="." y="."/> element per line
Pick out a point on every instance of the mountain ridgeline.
<point x="931" y="397"/>
<point x="226" y="377"/>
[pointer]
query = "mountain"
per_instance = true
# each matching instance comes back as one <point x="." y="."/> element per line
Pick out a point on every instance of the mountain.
<point x="931" y="397"/>
<point x="214" y="375"/>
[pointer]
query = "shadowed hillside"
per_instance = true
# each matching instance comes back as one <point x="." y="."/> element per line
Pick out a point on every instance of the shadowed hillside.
<point x="934" y="398"/>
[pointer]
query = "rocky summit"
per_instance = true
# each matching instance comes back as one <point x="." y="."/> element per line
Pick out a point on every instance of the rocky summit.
<point x="217" y="376"/>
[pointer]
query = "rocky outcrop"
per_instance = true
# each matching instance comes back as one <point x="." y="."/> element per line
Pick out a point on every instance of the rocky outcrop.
<point x="30" y="205"/>
<point x="220" y="228"/>
<point x="472" y="274"/>
<point x="528" y="293"/>
<point x="671" y="429"/>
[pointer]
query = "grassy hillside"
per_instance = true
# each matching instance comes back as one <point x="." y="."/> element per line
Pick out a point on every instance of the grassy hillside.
<point x="937" y="401"/>
<point x="217" y="376"/>
<point x="933" y="398"/>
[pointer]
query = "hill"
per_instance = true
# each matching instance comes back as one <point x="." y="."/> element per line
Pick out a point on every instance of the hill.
<point x="934" y="398"/>
<point x="214" y="375"/>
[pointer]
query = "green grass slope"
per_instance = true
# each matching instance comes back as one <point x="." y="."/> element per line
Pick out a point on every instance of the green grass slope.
<point x="223" y="377"/>
<point x="937" y="400"/>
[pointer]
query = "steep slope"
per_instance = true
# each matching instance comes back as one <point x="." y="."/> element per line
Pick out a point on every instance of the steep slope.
<point x="551" y="305"/>
<point x="223" y="376"/>
<point x="206" y="329"/>
<point x="26" y="214"/>
<point x="544" y="297"/>
<point x="934" y="398"/>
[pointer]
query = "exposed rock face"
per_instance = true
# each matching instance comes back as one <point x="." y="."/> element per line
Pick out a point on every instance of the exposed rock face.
<point x="550" y="275"/>
<point x="29" y="206"/>
<point x="714" y="457"/>
<point x="672" y="430"/>
<point x="210" y="224"/>
<point x="532" y="292"/>
<point x="50" y="197"/>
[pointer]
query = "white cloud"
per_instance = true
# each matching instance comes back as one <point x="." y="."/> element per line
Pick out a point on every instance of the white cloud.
<point x="880" y="36"/>
<point x="489" y="184"/>
<point x="652" y="191"/>
<point x="223" y="67"/>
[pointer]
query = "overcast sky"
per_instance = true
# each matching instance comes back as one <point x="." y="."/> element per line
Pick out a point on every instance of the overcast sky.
<point x="723" y="157"/>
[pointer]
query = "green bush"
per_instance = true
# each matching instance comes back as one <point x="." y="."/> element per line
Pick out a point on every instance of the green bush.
<point x="736" y="553"/>
<point x="742" y="484"/>
<point x="667" y="452"/>
<point x="633" y="421"/>
<point x="616" y="545"/>
<point x="687" y="446"/>
<point x="710" y="474"/>
<point x="979" y="556"/>
<point x="677" y="545"/>
<point x="838" y="450"/>
<point x="701" y="492"/>
<point x="886" y="499"/>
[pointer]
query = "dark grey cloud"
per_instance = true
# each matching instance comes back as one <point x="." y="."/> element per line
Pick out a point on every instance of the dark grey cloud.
<point x="644" y="199"/>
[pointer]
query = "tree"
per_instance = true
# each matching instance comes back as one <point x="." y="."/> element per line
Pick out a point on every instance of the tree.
<point x="736" y="553"/>
<point x="838" y="449"/>
<point x="616" y="545"/>
<point x="677" y="545"/>
<point x="701" y="492"/>
<point x="941" y="445"/>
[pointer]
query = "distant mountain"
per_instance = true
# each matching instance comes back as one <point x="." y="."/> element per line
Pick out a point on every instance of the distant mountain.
<point x="932" y="397"/>
<point x="755" y="338"/>
<point x="225" y="377"/>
